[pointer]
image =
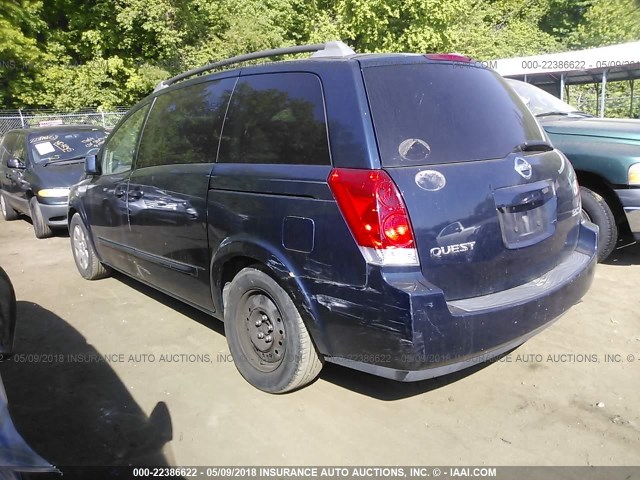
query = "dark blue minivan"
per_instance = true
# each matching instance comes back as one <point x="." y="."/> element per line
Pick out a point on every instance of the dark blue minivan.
<point x="400" y="214"/>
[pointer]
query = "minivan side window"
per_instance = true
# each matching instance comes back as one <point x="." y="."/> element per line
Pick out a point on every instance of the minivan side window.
<point x="120" y="150"/>
<point x="276" y="118"/>
<point x="19" y="150"/>
<point x="184" y="125"/>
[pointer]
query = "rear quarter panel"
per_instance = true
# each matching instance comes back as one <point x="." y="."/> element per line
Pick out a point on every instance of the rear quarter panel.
<point x="248" y="206"/>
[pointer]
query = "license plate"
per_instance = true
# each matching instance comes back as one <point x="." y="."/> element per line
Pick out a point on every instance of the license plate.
<point x="527" y="213"/>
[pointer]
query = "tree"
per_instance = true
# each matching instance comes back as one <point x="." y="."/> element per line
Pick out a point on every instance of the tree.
<point x="20" y="52"/>
<point x="563" y="16"/>
<point x="403" y="25"/>
<point x="607" y="22"/>
<point x="504" y="28"/>
<point x="118" y="53"/>
<point x="61" y="54"/>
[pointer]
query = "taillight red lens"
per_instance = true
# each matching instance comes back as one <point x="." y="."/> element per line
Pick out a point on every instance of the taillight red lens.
<point x="373" y="208"/>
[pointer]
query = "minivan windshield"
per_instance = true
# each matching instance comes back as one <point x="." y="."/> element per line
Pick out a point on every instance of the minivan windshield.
<point x="540" y="102"/>
<point x="429" y="113"/>
<point x="62" y="146"/>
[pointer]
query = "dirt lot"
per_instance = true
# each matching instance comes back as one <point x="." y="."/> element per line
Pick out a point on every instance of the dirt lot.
<point x="553" y="401"/>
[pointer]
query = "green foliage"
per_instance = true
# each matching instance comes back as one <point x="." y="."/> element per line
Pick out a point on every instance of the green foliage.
<point x="65" y="55"/>
<point x="504" y="28"/>
<point x="586" y="98"/>
<point x="404" y="25"/>
<point x="562" y="16"/>
<point x="19" y="50"/>
<point x="607" y="22"/>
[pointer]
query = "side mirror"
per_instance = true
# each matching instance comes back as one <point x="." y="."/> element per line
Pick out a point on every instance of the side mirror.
<point x="15" y="163"/>
<point x="91" y="166"/>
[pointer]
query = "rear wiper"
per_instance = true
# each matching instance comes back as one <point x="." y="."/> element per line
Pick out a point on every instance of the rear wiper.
<point x="533" y="146"/>
<point x="65" y="160"/>
<point x="548" y="114"/>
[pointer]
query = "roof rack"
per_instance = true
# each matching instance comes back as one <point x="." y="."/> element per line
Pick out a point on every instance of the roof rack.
<point x="329" y="49"/>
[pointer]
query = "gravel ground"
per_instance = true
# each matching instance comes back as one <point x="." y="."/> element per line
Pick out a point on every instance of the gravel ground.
<point x="112" y="372"/>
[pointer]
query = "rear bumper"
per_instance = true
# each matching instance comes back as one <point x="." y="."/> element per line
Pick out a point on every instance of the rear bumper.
<point x="54" y="215"/>
<point x="630" y="199"/>
<point x="437" y="337"/>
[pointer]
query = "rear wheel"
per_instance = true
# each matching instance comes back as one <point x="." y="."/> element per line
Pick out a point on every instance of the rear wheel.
<point x="268" y="340"/>
<point x="83" y="253"/>
<point x="596" y="210"/>
<point x="41" y="229"/>
<point x="8" y="213"/>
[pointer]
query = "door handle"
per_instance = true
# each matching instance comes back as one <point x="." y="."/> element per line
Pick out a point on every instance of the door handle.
<point x="136" y="194"/>
<point x="118" y="192"/>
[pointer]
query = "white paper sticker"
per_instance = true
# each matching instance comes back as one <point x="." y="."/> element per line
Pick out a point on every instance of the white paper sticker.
<point x="44" y="148"/>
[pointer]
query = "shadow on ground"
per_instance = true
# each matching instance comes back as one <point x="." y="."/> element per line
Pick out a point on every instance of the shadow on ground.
<point x="72" y="412"/>
<point x="625" y="256"/>
<point x="57" y="232"/>
<point x="390" y="390"/>
<point x="177" y="305"/>
<point x="362" y="383"/>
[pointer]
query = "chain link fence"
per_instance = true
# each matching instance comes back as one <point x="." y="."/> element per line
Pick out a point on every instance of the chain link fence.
<point x="615" y="107"/>
<point x="11" y="119"/>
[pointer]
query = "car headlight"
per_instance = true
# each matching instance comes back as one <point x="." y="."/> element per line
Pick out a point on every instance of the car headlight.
<point x="634" y="174"/>
<point x="54" y="192"/>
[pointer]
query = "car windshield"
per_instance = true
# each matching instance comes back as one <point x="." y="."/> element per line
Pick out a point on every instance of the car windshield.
<point x="61" y="146"/>
<point x="539" y="101"/>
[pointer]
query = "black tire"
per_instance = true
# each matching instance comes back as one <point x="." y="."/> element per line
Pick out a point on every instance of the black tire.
<point x="41" y="229"/>
<point x="84" y="255"/>
<point x="289" y="360"/>
<point x="8" y="213"/>
<point x="596" y="210"/>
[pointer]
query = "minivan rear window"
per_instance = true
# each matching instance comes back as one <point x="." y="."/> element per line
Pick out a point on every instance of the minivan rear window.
<point x="428" y="113"/>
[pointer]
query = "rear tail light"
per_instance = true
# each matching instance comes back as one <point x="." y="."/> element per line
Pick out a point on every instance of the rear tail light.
<point x="376" y="215"/>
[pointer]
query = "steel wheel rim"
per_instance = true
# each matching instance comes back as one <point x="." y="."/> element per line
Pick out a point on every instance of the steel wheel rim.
<point x="80" y="247"/>
<point x="261" y="330"/>
<point x="3" y="206"/>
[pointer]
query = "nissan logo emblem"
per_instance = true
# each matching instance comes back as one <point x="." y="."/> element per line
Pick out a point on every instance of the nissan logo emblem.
<point x="523" y="167"/>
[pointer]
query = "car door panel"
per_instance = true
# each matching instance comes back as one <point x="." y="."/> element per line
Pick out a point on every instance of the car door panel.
<point x="14" y="184"/>
<point x="106" y="195"/>
<point x="168" y="218"/>
<point x="167" y="194"/>
<point x="22" y="177"/>
<point x="105" y="205"/>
